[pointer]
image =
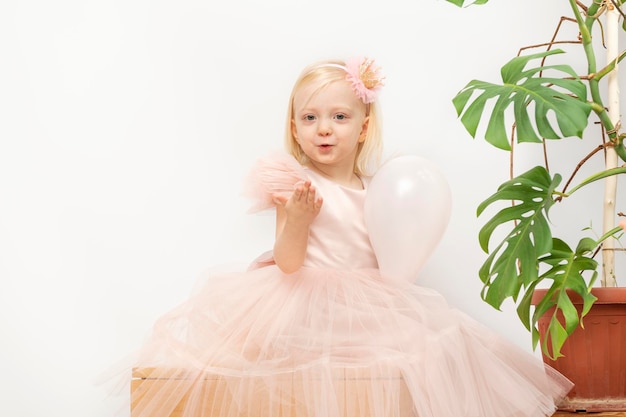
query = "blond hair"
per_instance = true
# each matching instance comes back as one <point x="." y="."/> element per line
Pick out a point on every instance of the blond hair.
<point x="324" y="73"/>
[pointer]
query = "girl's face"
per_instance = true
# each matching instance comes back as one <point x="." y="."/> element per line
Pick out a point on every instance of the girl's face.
<point x="329" y="124"/>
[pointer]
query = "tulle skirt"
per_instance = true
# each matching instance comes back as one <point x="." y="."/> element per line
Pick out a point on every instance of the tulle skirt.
<point x="329" y="343"/>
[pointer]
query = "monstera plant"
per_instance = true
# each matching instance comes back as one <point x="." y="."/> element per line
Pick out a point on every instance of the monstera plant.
<point x="540" y="98"/>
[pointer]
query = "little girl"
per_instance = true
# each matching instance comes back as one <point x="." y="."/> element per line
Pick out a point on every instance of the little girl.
<point x="312" y="329"/>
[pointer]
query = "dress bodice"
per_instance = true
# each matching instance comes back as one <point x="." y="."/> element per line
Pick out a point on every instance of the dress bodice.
<point x="338" y="236"/>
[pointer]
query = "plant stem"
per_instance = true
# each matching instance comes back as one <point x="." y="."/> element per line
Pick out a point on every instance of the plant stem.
<point x="610" y="183"/>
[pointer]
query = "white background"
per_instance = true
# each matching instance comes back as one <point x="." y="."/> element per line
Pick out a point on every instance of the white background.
<point x="127" y="128"/>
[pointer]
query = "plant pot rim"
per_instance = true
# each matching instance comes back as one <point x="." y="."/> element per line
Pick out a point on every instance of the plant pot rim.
<point x="605" y="295"/>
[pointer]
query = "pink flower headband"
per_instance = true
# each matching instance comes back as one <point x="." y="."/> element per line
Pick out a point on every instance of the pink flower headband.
<point x="364" y="76"/>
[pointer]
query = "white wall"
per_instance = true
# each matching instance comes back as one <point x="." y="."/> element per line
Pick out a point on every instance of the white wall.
<point x="126" y="129"/>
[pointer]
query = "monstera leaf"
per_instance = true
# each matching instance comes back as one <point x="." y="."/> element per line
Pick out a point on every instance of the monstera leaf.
<point x="513" y="263"/>
<point x="565" y="268"/>
<point x="561" y="98"/>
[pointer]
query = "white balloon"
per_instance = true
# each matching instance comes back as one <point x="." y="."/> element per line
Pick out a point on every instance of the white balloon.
<point x="407" y="209"/>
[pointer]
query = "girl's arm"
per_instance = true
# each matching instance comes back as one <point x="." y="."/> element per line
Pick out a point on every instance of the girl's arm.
<point x="293" y="219"/>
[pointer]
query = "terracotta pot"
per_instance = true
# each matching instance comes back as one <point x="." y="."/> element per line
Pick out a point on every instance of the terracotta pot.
<point x="594" y="357"/>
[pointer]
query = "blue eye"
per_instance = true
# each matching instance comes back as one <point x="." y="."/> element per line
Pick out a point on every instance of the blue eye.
<point x="309" y="117"/>
<point x="340" y="116"/>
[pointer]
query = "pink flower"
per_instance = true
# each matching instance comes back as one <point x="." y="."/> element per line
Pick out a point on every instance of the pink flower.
<point x="622" y="224"/>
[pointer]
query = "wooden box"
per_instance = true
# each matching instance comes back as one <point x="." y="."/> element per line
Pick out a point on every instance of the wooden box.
<point x="353" y="391"/>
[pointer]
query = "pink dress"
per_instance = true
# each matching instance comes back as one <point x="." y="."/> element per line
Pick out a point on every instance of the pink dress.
<point x="333" y="339"/>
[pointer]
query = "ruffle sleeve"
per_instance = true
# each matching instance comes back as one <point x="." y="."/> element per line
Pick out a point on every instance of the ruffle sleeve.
<point x="275" y="174"/>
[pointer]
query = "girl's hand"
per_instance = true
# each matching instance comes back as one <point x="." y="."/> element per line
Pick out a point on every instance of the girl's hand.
<point x="294" y="216"/>
<point x="303" y="205"/>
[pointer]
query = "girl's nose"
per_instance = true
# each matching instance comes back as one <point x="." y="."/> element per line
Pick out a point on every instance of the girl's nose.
<point x="324" y="129"/>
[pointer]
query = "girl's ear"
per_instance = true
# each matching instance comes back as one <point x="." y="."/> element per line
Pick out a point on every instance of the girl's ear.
<point x="293" y="130"/>
<point x="364" y="129"/>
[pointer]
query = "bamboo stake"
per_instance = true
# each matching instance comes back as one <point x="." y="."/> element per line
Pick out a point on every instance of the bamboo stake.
<point x="610" y="186"/>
